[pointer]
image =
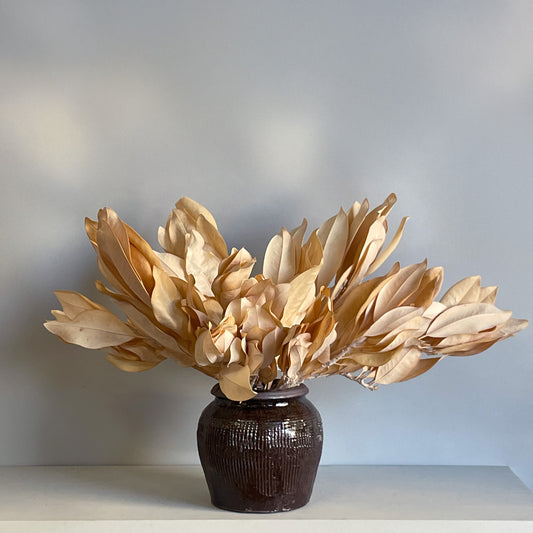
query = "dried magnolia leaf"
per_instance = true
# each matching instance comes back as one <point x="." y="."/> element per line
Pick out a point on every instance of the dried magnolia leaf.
<point x="115" y="258"/>
<point x="393" y="319"/>
<point x="297" y="235"/>
<point x="422" y="366"/>
<point x="212" y="237"/>
<point x="399" y="367"/>
<point x="74" y="303"/>
<point x="384" y="255"/>
<point x="312" y="253"/>
<point x="165" y="300"/>
<point x="467" y="318"/>
<point x="130" y="366"/>
<point x="429" y="287"/>
<point x="399" y="288"/>
<point x="195" y="210"/>
<point x="301" y="295"/>
<point x="280" y="258"/>
<point x="94" y="329"/>
<point x="488" y="294"/>
<point x="172" y="265"/>
<point x="374" y="359"/>
<point x="235" y="382"/>
<point x="205" y="352"/>
<point x="333" y="240"/>
<point x="145" y="325"/>
<point x="465" y="291"/>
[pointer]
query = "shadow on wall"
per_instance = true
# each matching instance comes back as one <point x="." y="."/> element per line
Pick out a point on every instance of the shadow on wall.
<point x="63" y="404"/>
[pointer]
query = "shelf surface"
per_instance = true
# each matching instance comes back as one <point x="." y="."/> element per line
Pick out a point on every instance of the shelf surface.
<point x="75" y="494"/>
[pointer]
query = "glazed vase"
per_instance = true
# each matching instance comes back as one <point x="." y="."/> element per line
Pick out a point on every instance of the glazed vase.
<point x="260" y="455"/>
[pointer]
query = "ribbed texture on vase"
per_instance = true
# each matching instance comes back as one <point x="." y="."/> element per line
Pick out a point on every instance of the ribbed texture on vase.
<point x="260" y="455"/>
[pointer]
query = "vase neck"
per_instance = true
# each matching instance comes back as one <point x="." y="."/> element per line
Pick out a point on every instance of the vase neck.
<point x="269" y="395"/>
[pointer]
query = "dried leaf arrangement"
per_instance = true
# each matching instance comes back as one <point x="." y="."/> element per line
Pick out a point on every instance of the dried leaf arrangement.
<point x="313" y="311"/>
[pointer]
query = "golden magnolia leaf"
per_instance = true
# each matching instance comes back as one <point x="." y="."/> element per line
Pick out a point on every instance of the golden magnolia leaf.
<point x="393" y="319"/>
<point x="374" y="359"/>
<point x="488" y="294"/>
<point x="467" y="318"/>
<point x="399" y="288"/>
<point x="115" y="259"/>
<point x="172" y="265"/>
<point x="165" y="303"/>
<point x="422" y="366"/>
<point x="402" y="365"/>
<point x="234" y="382"/>
<point x="297" y="235"/>
<point x="279" y="263"/>
<point x="94" y="329"/>
<point x="195" y="210"/>
<point x="301" y="295"/>
<point x="384" y="255"/>
<point x="147" y="326"/>
<point x="212" y="237"/>
<point x="333" y="240"/>
<point x="74" y="303"/>
<point x="463" y="292"/>
<point x="311" y="254"/>
<point x="429" y="287"/>
<point x="130" y="365"/>
<point x="205" y="351"/>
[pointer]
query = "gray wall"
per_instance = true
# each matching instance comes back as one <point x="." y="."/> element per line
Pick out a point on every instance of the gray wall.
<point x="265" y="112"/>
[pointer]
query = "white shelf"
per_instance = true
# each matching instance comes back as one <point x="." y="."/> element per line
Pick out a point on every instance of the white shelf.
<point x="175" y="498"/>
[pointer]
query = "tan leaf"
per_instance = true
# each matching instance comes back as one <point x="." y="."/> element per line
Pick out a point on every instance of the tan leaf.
<point x="94" y="329"/>
<point x="465" y="291"/>
<point x="144" y="324"/>
<point x="399" y="367"/>
<point x="384" y="255"/>
<point x="333" y="240"/>
<point x="393" y="319"/>
<point x="195" y="210"/>
<point x="115" y="258"/>
<point x="234" y="382"/>
<point x="374" y="359"/>
<point x="212" y="237"/>
<point x="371" y="248"/>
<point x="201" y="262"/>
<point x="74" y="303"/>
<point x="488" y="294"/>
<point x="356" y="215"/>
<point x="422" y="366"/>
<point x="205" y="351"/>
<point x="165" y="301"/>
<point x="279" y="263"/>
<point x="129" y="365"/>
<point x="297" y="235"/>
<point x="429" y="287"/>
<point x="311" y="254"/>
<point x="467" y="318"/>
<point x="301" y="295"/>
<point x="512" y="326"/>
<point x="236" y="352"/>
<point x="172" y="265"/>
<point x="399" y="288"/>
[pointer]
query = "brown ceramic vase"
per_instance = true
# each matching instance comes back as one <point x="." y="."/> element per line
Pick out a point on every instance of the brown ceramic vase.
<point x="261" y="455"/>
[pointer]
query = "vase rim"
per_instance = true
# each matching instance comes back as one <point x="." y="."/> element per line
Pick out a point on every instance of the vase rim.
<point x="275" y="394"/>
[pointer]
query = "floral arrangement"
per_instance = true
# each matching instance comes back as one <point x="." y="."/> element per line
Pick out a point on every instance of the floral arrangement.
<point x="313" y="311"/>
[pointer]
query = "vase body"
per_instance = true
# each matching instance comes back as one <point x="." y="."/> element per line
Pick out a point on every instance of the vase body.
<point x="261" y="455"/>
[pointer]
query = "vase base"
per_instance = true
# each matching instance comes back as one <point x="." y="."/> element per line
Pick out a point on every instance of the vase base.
<point x="254" y="510"/>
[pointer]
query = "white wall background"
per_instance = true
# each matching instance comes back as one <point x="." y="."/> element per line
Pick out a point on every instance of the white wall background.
<point x="265" y="112"/>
